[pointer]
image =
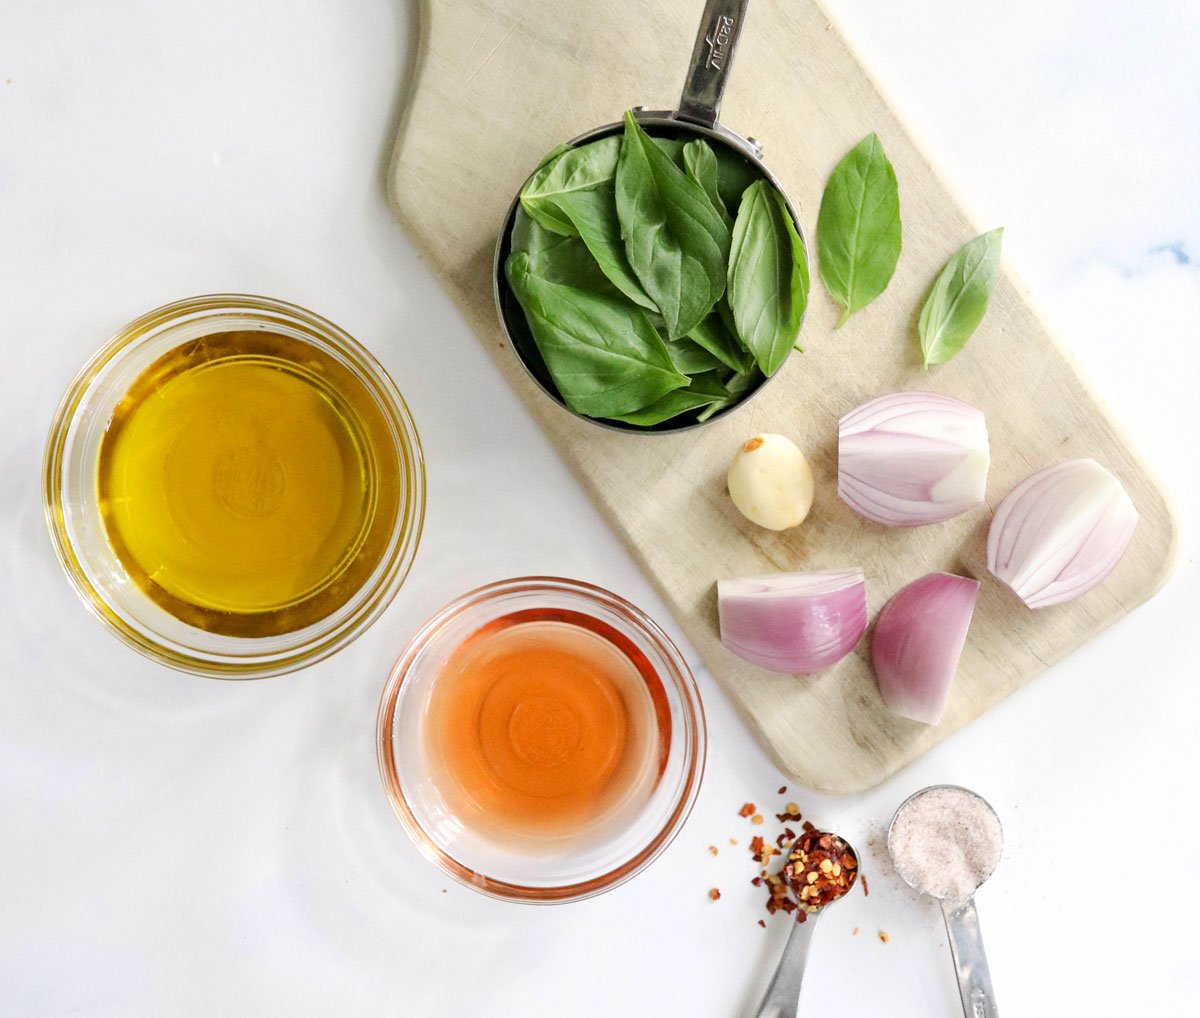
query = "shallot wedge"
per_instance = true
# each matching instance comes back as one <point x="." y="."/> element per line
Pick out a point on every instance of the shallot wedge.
<point x="794" y="623"/>
<point x="912" y="458"/>
<point x="918" y="640"/>
<point x="1060" y="532"/>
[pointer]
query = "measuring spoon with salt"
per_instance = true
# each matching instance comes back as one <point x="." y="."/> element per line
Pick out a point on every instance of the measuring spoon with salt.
<point x="945" y="841"/>
<point x="808" y="854"/>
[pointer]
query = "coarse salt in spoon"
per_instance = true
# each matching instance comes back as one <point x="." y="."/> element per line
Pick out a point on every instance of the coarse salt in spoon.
<point x="945" y="841"/>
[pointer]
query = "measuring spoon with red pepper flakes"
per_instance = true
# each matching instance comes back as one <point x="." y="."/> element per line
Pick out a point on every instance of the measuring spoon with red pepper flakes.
<point x="820" y="869"/>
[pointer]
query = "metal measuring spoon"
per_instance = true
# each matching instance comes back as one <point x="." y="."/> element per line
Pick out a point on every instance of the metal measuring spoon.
<point x="782" y="998"/>
<point x="958" y="904"/>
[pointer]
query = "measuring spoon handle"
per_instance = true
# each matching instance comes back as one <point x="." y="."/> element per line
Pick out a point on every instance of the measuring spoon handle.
<point x="782" y="999"/>
<point x="970" y="960"/>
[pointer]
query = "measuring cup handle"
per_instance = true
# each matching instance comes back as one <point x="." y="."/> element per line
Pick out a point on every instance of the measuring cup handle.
<point x="712" y="58"/>
<point x="970" y="961"/>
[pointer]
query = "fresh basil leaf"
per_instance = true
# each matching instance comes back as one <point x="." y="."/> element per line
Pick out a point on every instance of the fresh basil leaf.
<point x="676" y="242"/>
<point x="738" y="386"/>
<point x="735" y="173"/>
<point x="593" y="214"/>
<point x="726" y="316"/>
<point x="604" y="355"/>
<point x="576" y="169"/>
<point x="673" y="147"/>
<point x="959" y="298"/>
<point x="558" y="258"/>
<point x="704" y="390"/>
<point x="713" y="335"/>
<point x="858" y="227"/>
<point x="701" y="165"/>
<point x="768" y="277"/>
<point x="554" y="153"/>
<point x="691" y="358"/>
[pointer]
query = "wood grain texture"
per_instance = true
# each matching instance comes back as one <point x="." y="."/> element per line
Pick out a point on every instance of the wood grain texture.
<point x="500" y="82"/>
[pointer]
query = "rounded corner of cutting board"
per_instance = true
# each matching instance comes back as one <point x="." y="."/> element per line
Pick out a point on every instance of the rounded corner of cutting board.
<point x="1172" y="536"/>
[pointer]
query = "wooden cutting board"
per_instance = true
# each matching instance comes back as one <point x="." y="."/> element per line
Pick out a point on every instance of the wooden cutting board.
<point x="500" y="82"/>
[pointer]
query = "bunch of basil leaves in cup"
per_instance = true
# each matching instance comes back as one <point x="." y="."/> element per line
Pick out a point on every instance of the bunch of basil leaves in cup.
<point x="659" y="277"/>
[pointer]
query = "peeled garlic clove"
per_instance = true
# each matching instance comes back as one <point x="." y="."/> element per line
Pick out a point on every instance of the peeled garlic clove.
<point x="912" y="458"/>
<point x="1058" y="533"/>
<point x="771" y="482"/>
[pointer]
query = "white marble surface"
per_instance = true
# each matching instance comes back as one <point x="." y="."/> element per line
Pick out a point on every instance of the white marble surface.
<point x="175" y="846"/>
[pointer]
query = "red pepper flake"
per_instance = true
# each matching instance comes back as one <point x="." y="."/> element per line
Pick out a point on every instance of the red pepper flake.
<point x="749" y="809"/>
<point x="883" y="936"/>
<point x="715" y="894"/>
<point x="791" y="812"/>
<point x="756" y="848"/>
<point x="783" y="789"/>
<point x="757" y="881"/>
<point x="762" y="923"/>
<point x="807" y="827"/>
<point x="866" y="889"/>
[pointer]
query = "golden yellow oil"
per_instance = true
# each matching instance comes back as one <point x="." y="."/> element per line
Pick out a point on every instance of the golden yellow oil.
<point x="248" y="483"/>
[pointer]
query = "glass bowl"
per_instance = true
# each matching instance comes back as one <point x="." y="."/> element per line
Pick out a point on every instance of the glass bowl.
<point x="78" y="531"/>
<point x="555" y="871"/>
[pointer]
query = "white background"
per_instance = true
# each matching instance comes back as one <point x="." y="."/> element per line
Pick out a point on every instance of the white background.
<point x="173" y="846"/>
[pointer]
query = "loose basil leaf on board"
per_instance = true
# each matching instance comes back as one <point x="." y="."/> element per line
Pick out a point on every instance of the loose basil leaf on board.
<point x="704" y="390"/>
<point x="738" y="387"/>
<point x="959" y="298"/>
<point x="717" y="339"/>
<point x="734" y="174"/>
<point x="691" y="358"/>
<point x="602" y="352"/>
<point x="768" y="277"/>
<point x="858" y="227"/>
<point x="701" y="165"/>
<point x="577" y="169"/>
<point x="557" y="258"/>
<point x="593" y="214"/>
<point x="676" y="242"/>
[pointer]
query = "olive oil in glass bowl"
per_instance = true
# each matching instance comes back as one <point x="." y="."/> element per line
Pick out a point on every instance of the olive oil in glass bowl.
<point x="234" y="486"/>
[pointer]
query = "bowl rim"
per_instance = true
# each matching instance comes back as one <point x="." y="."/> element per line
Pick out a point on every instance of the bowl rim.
<point x="694" y="731"/>
<point x="406" y="532"/>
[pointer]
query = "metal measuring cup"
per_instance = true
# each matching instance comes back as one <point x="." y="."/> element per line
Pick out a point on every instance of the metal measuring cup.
<point x="703" y="88"/>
